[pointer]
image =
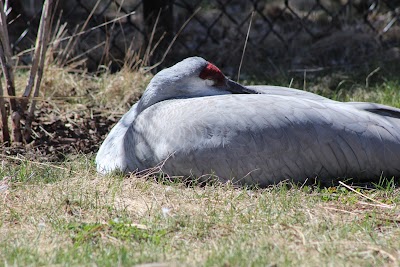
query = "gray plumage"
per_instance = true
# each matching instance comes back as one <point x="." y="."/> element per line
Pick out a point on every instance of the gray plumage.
<point x="262" y="137"/>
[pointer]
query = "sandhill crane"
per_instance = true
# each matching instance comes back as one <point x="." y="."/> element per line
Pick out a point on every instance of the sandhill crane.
<point x="196" y="121"/>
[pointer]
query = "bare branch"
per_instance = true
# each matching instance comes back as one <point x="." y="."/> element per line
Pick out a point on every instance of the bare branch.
<point x="4" y="32"/>
<point x="73" y="42"/>
<point x="5" y="60"/>
<point x="5" y="138"/>
<point x="37" y="68"/>
<point x="5" y="55"/>
<point x="173" y="40"/>
<point x="40" y="39"/>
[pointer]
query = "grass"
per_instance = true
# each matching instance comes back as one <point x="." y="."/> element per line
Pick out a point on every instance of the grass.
<point x="80" y="218"/>
<point x="66" y="214"/>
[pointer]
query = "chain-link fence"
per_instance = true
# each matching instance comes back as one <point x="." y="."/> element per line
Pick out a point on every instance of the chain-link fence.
<point x="283" y="35"/>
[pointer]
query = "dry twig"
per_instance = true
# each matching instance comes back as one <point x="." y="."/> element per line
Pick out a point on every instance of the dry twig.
<point x="5" y="60"/>
<point x="367" y="197"/>
<point x="5" y="133"/>
<point x="245" y="45"/>
<point x="38" y="63"/>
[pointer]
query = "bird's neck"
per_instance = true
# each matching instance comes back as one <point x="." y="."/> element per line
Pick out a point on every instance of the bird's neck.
<point x="148" y="98"/>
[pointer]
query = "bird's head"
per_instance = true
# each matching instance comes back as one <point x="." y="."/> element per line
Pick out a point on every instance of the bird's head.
<point x="192" y="77"/>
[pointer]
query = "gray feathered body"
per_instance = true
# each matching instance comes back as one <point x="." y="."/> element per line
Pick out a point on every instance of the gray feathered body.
<point x="258" y="139"/>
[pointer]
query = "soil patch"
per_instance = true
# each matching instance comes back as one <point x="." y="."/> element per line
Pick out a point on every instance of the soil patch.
<point x="58" y="131"/>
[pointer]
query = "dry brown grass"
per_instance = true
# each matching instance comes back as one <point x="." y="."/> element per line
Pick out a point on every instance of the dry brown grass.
<point x="110" y="94"/>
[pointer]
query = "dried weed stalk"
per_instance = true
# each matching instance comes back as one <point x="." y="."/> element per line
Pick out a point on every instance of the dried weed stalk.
<point x="19" y="106"/>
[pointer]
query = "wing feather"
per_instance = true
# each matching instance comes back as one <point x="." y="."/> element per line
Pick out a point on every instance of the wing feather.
<point x="264" y="138"/>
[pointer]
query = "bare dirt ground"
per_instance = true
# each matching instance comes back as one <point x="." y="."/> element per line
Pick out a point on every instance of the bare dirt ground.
<point x="58" y="132"/>
<point x="76" y="111"/>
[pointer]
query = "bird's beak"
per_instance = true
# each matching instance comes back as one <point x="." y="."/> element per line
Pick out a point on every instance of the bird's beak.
<point x="237" y="88"/>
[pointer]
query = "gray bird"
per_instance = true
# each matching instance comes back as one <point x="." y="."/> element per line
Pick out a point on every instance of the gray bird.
<point x="194" y="121"/>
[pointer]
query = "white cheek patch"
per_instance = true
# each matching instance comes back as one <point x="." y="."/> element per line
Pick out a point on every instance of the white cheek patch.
<point x="209" y="82"/>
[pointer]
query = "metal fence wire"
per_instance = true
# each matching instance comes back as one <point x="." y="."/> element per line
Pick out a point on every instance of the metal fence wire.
<point x="283" y="35"/>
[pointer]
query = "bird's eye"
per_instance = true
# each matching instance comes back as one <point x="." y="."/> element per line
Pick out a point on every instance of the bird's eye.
<point x="210" y="82"/>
